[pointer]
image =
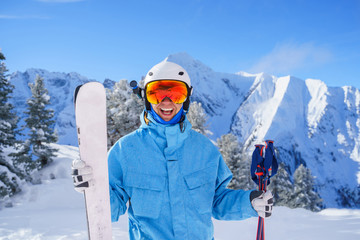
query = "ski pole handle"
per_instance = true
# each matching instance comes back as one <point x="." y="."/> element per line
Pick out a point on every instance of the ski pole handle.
<point x="136" y="89"/>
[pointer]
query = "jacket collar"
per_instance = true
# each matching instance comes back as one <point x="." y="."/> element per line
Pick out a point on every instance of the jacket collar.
<point x="172" y="134"/>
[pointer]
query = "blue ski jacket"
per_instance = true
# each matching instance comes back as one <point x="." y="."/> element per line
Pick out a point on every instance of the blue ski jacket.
<point x="174" y="181"/>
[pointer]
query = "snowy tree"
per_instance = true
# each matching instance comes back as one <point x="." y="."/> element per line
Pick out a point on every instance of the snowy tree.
<point x="349" y="198"/>
<point x="8" y="119"/>
<point x="123" y="111"/>
<point x="197" y="118"/>
<point x="10" y="173"/>
<point x="9" y="184"/>
<point x="40" y="122"/>
<point x="244" y="175"/>
<point x="281" y="186"/>
<point x="304" y="195"/>
<point x="23" y="160"/>
<point x="238" y="164"/>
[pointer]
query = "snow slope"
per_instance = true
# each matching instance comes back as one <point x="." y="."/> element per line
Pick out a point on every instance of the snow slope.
<point x="53" y="210"/>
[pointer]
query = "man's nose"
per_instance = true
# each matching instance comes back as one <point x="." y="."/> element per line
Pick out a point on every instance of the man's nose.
<point x="166" y="99"/>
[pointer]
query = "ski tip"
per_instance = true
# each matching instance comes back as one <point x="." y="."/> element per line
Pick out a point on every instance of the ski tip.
<point x="76" y="92"/>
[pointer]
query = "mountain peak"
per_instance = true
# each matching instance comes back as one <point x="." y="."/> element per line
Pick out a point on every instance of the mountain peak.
<point x="180" y="56"/>
<point x="188" y="62"/>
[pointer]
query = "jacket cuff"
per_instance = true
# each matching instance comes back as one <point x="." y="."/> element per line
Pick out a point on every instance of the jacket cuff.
<point x="251" y="211"/>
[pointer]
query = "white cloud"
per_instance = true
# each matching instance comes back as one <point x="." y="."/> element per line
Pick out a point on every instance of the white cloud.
<point x="287" y="57"/>
<point x="7" y="16"/>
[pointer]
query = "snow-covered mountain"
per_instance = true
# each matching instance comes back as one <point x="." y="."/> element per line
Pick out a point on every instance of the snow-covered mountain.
<point x="311" y="123"/>
<point x="61" y="87"/>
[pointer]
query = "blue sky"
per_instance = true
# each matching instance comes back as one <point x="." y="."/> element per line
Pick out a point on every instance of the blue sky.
<point x="119" y="39"/>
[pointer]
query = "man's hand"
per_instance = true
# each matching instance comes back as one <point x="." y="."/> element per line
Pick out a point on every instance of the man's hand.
<point x="262" y="202"/>
<point x="82" y="175"/>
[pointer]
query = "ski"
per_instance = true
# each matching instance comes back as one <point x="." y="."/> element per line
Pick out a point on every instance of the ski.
<point x="90" y="114"/>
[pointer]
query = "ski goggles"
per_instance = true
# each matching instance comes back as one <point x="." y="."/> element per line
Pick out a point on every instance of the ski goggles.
<point x="156" y="91"/>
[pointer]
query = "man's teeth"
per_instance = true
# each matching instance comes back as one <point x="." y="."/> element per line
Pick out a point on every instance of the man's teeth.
<point x="166" y="111"/>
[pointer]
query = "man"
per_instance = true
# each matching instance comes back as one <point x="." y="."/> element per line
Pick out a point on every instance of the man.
<point x="173" y="178"/>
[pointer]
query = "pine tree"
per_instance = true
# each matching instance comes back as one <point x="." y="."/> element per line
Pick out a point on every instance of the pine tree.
<point x="304" y="195"/>
<point x="197" y="118"/>
<point x="123" y="111"/>
<point x="281" y="186"/>
<point x="239" y="166"/>
<point x="349" y="198"/>
<point x="9" y="185"/>
<point x="23" y="160"/>
<point x="8" y="119"/>
<point x="40" y="122"/>
<point x="10" y="173"/>
<point x="244" y="176"/>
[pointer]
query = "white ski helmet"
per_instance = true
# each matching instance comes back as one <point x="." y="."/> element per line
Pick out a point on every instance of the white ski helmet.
<point x="169" y="71"/>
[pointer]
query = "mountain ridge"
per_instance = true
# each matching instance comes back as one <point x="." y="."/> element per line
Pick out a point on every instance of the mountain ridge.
<point x="310" y="122"/>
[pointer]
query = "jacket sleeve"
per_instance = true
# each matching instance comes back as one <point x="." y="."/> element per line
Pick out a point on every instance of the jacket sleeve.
<point x="118" y="195"/>
<point x="230" y="204"/>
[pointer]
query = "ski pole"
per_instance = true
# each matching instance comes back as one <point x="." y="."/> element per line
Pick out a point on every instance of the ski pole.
<point x="262" y="169"/>
<point x="261" y="177"/>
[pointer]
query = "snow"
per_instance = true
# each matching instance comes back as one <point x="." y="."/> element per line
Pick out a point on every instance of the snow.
<point x="53" y="210"/>
<point x="318" y="102"/>
<point x="310" y="122"/>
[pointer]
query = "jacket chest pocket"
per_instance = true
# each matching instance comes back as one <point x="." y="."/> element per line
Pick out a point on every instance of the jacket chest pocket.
<point x="146" y="193"/>
<point x="201" y="188"/>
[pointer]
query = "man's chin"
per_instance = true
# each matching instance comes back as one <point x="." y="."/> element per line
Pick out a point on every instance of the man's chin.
<point x="166" y="117"/>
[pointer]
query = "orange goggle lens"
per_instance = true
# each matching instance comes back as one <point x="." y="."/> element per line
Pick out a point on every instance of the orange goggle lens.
<point x="158" y="90"/>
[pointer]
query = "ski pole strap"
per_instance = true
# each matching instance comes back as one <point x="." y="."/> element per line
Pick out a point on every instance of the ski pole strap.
<point x="257" y="163"/>
<point x="263" y="167"/>
<point x="270" y="161"/>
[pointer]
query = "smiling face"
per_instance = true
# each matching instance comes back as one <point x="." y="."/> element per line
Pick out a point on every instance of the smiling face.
<point x="167" y="109"/>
